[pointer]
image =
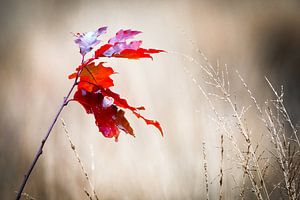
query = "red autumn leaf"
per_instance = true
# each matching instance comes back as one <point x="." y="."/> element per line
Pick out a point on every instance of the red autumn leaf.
<point x="108" y="117"/>
<point x="118" y="101"/>
<point x="150" y="122"/>
<point x="121" y="50"/>
<point x="136" y="54"/>
<point x="94" y="75"/>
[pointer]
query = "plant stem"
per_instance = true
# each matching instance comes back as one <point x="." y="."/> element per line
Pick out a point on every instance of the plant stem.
<point x="40" y="150"/>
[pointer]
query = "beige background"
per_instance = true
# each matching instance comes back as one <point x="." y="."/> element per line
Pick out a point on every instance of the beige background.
<point x="37" y="54"/>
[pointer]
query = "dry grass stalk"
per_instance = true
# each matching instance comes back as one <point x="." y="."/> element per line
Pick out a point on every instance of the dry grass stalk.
<point x="88" y="194"/>
<point x="222" y="124"/>
<point x="284" y="154"/>
<point x="274" y="120"/>
<point x="26" y="196"/>
<point x="283" y="110"/>
<point x="205" y="170"/>
<point x="242" y="193"/>
<point x="73" y="147"/>
<point x="286" y="149"/>
<point x="220" y="81"/>
<point x="221" y="168"/>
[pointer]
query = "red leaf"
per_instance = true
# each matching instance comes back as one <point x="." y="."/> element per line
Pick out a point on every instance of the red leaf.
<point x="109" y="119"/>
<point x="150" y="122"/>
<point x="136" y="54"/>
<point x="118" y="101"/>
<point x="93" y="76"/>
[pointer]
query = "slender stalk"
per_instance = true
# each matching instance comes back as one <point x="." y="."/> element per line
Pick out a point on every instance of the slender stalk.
<point x="80" y="162"/>
<point x="40" y="150"/>
<point x="221" y="168"/>
<point x="205" y="170"/>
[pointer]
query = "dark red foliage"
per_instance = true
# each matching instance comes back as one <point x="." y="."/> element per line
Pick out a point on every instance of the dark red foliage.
<point x="118" y="101"/>
<point x="108" y="118"/>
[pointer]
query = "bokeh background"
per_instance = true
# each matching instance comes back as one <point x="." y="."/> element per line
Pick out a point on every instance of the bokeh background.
<point x="37" y="53"/>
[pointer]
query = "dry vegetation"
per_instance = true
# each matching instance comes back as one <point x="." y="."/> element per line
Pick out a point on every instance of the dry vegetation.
<point x="263" y="157"/>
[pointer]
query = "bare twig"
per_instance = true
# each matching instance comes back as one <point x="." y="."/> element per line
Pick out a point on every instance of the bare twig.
<point x="40" y="150"/>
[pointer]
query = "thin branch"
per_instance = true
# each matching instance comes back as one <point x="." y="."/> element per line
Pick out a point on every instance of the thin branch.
<point x="40" y="150"/>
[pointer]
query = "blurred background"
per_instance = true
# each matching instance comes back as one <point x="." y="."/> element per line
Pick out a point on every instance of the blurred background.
<point x="37" y="53"/>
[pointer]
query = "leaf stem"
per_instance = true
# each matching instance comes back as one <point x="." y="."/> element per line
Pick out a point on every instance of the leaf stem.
<point x="40" y="150"/>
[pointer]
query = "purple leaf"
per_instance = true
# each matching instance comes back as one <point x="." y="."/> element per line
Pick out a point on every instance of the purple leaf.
<point x="123" y="35"/>
<point x="88" y="40"/>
